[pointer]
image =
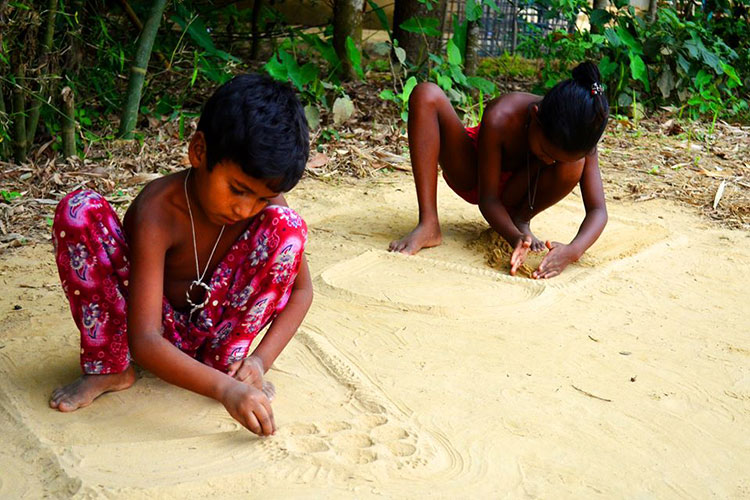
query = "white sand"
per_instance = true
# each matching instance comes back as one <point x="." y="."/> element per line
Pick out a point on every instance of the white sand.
<point x="628" y="376"/>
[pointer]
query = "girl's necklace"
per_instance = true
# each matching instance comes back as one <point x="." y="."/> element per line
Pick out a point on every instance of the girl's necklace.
<point x="198" y="282"/>
<point x="530" y="198"/>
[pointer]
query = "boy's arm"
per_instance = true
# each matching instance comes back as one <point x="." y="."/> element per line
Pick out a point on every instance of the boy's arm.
<point x="592" y="192"/>
<point x="489" y="170"/>
<point x="283" y="327"/>
<point x="149" y="242"/>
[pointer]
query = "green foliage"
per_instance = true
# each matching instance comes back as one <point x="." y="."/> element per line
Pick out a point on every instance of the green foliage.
<point x="445" y="69"/>
<point x="318" y="78"/>
<point x="670" y="61"/>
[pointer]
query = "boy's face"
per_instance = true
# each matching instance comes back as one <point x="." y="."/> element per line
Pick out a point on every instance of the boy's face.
<point x="227" y="194"/>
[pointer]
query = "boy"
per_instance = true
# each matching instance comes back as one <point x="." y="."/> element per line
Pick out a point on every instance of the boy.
<point x="205" y="259"/>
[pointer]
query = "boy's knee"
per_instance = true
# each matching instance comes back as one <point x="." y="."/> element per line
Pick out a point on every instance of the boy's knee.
<point x="293" y="224"/>
<point x="425" y="93"/>
<point x="76" y="206"/>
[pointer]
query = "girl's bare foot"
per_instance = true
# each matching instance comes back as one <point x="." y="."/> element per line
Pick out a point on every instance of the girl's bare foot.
<point x="523" y="223"/>
<point x="87" y="388"/>
<point x="423" y="236"/>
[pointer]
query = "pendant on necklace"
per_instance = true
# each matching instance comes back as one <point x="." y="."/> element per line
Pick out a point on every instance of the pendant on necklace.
<point x="194" y="307"/>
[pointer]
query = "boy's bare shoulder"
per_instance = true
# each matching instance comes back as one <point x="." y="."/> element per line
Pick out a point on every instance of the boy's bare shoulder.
<point x="156" y="208"/>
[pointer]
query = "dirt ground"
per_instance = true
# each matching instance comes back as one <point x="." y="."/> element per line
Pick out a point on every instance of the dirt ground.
<point x="628" y="376"/>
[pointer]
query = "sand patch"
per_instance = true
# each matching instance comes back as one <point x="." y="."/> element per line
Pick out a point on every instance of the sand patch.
<point x="436" y="375"/>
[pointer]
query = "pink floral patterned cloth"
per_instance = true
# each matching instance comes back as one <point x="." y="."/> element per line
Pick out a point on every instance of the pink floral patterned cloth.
<point x="249" y="288"/>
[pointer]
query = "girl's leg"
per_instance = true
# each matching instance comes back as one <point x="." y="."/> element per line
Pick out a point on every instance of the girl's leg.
<point x="91" y="256"/>
<point x="252" y="284"/>
<point x="436" y="134"/>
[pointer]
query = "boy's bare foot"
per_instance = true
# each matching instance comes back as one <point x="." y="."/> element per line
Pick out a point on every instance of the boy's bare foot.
<point x="423" y="236"/>
<point x="87" y="388"/>
<point x="523" y="223"/>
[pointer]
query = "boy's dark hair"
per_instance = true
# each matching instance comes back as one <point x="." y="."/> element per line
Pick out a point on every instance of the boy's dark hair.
<point x="259" y="124"/>
<point x="574" y="113"/>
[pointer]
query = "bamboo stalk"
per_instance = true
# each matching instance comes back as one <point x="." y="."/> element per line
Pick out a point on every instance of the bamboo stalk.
<point x="19" y="111"/>
<point x="49" y="33"/>
<point x="69" y="122"/>
<point x="138" y="70"/>
<point x="3" y="113"/>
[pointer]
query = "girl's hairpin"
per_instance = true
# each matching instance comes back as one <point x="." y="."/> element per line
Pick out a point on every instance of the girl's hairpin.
<point x="597" y="89"/>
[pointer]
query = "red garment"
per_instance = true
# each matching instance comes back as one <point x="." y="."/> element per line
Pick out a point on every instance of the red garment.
<point x="249" y="288"/>
<point x="472" y="196"/>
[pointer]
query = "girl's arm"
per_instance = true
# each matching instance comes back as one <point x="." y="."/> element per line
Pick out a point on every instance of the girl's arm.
<point x="149" y="242"/>
<point x="592" y="192"/>
<point x="489" y="170"/>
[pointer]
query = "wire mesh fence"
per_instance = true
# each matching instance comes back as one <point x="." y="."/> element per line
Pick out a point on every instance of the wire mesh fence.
<point x="503" y="30"/>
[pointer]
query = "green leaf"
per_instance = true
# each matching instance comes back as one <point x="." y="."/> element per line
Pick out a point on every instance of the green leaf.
<point x="627" y="38"/>
<point x="408" y="87"/>
<point x="702" y="78"/>
<point x="607" y="67"/>
<point x="429" y="26"/>
<point x="277" y="70"/>
<point x="454" y="54"/>
<point x="444" y="81"/>
<point x="731" y="73"/>
<point x="460" y="31"/>
<point x="388" y="95"/>
<point x="355" y="57"/>
<point x="599" y="17"/>
<point x="491" y="4"/>
<point x="638" y="70"/>
<point x="308" y="73"/>
<point x="473" y="10"/>
<point x="612" y="37"/>
<point x="485" y="86"/>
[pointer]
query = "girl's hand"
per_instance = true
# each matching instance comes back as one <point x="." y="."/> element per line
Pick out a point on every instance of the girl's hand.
<point x="250" y="407"/>
<point x="521" y="250"/>
<point x="557" y="259"/>
<point x="250" y="371"/>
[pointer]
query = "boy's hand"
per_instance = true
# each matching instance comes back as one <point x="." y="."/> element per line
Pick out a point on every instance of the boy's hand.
<point x="557" y="259"/>
<point x="250" y="407"/>
<point x="521" y="250"/>
<point x="250" y="371"/>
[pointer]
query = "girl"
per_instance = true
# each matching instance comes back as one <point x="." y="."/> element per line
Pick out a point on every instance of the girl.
<point x="526" y="155"/>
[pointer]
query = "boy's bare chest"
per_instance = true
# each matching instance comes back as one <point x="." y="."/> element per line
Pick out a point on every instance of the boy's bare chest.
<point x="180" y="260"/>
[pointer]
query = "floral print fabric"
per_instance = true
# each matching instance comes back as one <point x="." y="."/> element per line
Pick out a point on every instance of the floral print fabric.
<point x="249" y="287"/>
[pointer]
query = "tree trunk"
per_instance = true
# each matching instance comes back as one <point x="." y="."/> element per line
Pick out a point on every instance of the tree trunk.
<point x="472" y="48"/>
<point x="138" y="71"/>
<point x="46" y="48"/>
<point x="347" y="22"/>
<point x="416" y="45"/>
<point x="68" y="122"/>
<point x="255" y="44"/>
<point x="653" y="5"/>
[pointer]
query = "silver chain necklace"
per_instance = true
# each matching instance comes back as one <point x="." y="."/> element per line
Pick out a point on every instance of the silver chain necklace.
<point x="198" y="282"/>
